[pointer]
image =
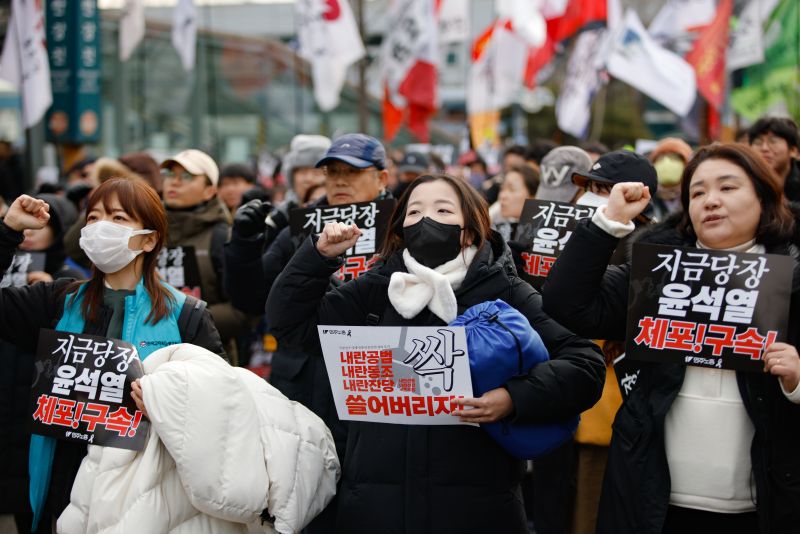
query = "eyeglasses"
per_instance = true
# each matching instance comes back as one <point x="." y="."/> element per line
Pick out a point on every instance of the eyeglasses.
<point x="184" y="176"/>
<point x="344" y="171"/>
<point x="599" y="188"/>
<point x="772" y="141"/>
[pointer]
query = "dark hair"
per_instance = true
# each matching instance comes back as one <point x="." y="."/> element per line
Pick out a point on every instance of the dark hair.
<point x="776" y="225"/>
<point x="595" y="147"/>
<point x="539" y="149"/>
<point x="780" y="126"/>
<point x="477" y="225"/>
<point x="518" y="150"/>
<point x="145" y="166"/>
<point x="143" y="204"/>
<point x="530" y="178"/>
<point x="237" y="170"/>
<point x="310" y="192"/>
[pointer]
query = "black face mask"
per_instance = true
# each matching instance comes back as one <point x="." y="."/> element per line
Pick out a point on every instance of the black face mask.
<point x="432" y="243"/>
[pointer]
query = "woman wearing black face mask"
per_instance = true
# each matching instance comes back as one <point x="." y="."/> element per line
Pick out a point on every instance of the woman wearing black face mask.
<point x="439" y="258"/>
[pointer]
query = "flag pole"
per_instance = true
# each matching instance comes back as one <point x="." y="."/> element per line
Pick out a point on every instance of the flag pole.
<point x="362" y="72"/>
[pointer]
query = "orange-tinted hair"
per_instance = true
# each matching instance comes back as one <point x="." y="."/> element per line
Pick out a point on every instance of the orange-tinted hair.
<point x="142" y="203"/>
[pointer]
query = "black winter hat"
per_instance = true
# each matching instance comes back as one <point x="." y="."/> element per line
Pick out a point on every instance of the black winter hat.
<point x="620" y="166"/>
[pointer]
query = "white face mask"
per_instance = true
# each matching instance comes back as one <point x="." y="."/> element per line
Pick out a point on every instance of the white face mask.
<point x="592" y="199"/>
<point x="106" y="245"/>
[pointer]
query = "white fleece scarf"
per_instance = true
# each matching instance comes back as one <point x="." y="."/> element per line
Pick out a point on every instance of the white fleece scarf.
<point x="422" y="286"/>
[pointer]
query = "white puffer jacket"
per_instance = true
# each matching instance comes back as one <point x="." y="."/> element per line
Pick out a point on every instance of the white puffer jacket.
<point x="224" y="446"/>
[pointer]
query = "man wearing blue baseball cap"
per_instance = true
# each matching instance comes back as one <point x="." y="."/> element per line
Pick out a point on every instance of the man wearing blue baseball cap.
<point x="355" y="171"/>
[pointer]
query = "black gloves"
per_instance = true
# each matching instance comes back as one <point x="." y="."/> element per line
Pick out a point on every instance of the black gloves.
<point x="249" y="220"/>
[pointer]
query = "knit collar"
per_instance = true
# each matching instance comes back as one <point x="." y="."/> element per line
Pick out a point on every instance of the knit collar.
<point x="421" y="286"/>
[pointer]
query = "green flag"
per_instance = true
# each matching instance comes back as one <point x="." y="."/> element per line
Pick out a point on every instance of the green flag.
<point x="775" y="83"/>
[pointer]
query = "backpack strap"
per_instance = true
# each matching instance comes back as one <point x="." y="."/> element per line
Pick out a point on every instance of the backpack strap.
<point x="190" y="317"/>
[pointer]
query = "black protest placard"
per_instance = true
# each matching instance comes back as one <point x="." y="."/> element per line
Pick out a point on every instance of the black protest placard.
<point x="82" y="390"/>
<point x="706" y="308"/>
<point x="544" y="228"/>
<point x="372" y="218"/>
<point x="178" y="267"/>
<point x="22" y="264"/>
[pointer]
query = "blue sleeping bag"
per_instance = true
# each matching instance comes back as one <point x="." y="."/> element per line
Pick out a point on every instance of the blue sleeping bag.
<point x="502" y="345"/>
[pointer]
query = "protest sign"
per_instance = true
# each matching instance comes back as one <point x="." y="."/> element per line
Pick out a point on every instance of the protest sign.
<point x="707" y="308"/>
<point x="401" y="375"/>
<point x="372" y="218"/>
<point x="544" y="228"/>
<point x="178" y="267"/>
<point x="82" y="390"/>
<point x="22" y="264"/>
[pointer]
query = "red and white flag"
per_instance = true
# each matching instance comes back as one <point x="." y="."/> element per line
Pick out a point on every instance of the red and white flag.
<point x="498" y="64"/>
<point x="24" y="62"/>
<point x="329" y="39"/>
<point x="408" y="58"/>
<point x="576" y="15"/>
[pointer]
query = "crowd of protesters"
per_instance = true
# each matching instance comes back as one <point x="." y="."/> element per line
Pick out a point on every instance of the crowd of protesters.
<point x="686" y="449"/>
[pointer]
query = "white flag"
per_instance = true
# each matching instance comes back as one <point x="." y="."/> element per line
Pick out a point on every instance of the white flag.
<point x="678" y="16"/>
<point x="496" y="78"/>
<point x="639" y="61"/>
<point x="746" y="45"/>
<point x="582" y="81"/>
<point x="526" y="18"/>
<point x="25" y="63"/>
<point x="184" y="32"/>
<point x="131" y="28"/>
<point x="454" y="21"/>
<point x="328" y="37"/>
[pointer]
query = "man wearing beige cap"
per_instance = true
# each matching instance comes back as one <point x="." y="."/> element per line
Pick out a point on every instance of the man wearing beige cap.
<point x="197" y="218"/>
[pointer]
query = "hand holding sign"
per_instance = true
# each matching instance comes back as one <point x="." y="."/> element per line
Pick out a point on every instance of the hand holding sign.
<point x="492" y="406"/>
<point x="27" y="212"/>
<point x="782" y="360"/>
<point x="336" y="238"/>
<point x="138" y="396"/>
<point x="626" y="201"/>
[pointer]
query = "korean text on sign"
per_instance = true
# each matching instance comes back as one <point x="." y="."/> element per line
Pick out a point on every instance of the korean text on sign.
<point x="82" y="391"/>
<point x="372" y="219"/>
<point x="396" y="375"/>
<point x="707" y="308"/>
<point x="545" y="227"/>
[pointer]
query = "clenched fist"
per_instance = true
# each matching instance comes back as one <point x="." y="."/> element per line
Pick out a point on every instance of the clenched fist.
<point x="336" y="238"/>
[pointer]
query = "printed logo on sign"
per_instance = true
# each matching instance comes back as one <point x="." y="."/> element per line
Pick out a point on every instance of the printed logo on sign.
<point x="158" y="343"/>
<point x="348" y="333"/>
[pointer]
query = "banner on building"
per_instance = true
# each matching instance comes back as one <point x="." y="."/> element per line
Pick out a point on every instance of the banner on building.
<point x="400" y="375"/>
<point x="705" y="307"/>
<point x="73" y="42"/>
